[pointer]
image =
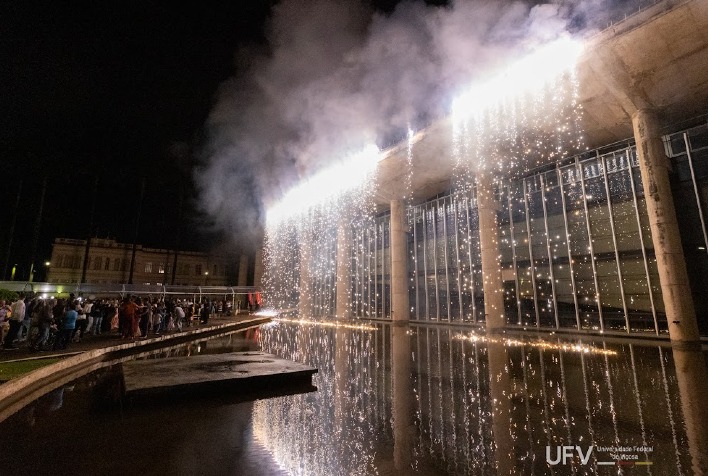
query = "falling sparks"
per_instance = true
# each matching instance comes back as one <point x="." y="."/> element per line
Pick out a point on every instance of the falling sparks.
<point x="526" y="76"/>
<point x="552" y="225"/>
<point x="329" y="184"/>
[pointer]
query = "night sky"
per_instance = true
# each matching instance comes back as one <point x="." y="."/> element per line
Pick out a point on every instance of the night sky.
<point x="103" y="95"/>
<point x="112" y="97"/>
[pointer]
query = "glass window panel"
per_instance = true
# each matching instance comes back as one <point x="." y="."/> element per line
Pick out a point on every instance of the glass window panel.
<point x="698" y="137"/>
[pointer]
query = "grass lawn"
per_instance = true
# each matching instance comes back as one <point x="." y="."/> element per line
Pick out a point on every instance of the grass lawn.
<point x="10" y="370"/>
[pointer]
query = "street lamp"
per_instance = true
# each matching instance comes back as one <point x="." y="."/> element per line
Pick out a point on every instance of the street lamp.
<point x="47" y="264"/>
<point x="206" y="276"/>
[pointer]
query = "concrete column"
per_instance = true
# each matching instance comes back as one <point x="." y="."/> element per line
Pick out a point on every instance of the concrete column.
<point x="343" y="310"/>
<point x="341" y="374"/>
<point x="404" y="429"/>
<point x="692" y="378"/>
<point x="501" y="393"/>
<point x="258" y="269"/>
<point x="675" y="288"/>
<point x="305" y="285"/>
<point x="400" y="309"/>
<point x="243" y="270"/>
<point x="493" y="285"/>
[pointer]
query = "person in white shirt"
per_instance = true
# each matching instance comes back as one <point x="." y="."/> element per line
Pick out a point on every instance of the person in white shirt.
<point x="179" y="316"/>
<point x="87" y="310"/>
<point x="17" y="310"/>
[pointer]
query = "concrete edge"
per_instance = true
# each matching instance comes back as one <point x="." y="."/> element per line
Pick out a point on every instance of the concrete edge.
<point x="17" y="393"/>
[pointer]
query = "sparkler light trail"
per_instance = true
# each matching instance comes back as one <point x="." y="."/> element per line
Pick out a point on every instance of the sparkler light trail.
<point x="326" y="185"/>
<point x="526" y="76"/>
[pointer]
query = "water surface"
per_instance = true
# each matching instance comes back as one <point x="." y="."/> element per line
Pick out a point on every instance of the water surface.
<point x="390" y="400"/>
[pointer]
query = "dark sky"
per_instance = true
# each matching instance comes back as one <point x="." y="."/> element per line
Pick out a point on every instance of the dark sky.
<point x="112" y="95"/>
<point x="109" y="94"/>
<point x="115" y="92"/>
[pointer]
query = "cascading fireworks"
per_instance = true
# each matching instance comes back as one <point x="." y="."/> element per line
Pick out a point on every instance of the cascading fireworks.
<point x="526" y="116"/>
<point x="300" y="253"/>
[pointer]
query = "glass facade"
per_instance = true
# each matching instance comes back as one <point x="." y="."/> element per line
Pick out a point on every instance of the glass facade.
<point x="575" y="248"/>
<point x="371" y="269"/>
<point x="445" y="260"/>
<point x="688" y="152"/>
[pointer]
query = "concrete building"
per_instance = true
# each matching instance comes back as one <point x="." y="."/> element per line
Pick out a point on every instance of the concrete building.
<point x="109" y="262"/>
<point x="612" y="240"/>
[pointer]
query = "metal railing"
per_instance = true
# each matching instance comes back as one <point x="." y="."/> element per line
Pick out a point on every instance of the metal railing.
<point x="103" y="289"/>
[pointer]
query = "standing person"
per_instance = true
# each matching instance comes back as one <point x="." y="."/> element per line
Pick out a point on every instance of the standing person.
<point x="59" y="308"/>
<point x="128" y="316"/>
<point x="18" y="315"/>
<point x="140" y="310"/>
<point x="179" y="316"/>
<point x="81" y="322"/>
<point x="44" y="322"/>
<point x="145" y="318"/>
<point x="27" y="322"/>
<point x="112" y="316"/>
<point x="68" y="326"/>
<point x="4" y="325"/>
<point x="189" y="313"/>
<point x="98" y="311"/>
<point x="88" y="307"/>
<point x="204" y="317"/>
<point x="157" y="312"/>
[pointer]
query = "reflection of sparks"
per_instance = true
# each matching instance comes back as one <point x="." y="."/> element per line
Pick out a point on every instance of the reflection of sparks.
<point x="540" y="344"/>
<point x="339" y="325"/>
<point x="267" y="313"/>
<point x="260" y="435"/>
<point x="332" y="430"/>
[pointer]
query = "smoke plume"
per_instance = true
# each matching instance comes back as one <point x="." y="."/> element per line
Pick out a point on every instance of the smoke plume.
<point x="337" y="75"/>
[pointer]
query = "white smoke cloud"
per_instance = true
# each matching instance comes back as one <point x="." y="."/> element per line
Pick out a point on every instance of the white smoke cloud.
<point x="338" y="75"/>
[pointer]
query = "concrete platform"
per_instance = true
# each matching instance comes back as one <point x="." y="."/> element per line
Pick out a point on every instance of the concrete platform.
<point x="254" y="373"/>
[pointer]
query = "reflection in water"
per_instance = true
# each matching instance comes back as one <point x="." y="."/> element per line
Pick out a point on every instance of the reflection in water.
<point x="693" y="387"/>
<point x="538" y="343"/>
<point x="336" y="324"/>
<point x="404" y="431"/>
<point x="303" y="431"/>
<point x="419" y="399"/>
<point x="407" y="399"/>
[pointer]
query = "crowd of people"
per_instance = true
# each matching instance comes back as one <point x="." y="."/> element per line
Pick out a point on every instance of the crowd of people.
<point x="53" y="324"/>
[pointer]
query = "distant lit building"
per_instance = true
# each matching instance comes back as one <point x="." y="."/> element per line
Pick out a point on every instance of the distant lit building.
<point x="109" y="262"/>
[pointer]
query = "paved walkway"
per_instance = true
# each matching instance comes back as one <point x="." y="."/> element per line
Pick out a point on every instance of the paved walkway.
<point x="91" y="342"/>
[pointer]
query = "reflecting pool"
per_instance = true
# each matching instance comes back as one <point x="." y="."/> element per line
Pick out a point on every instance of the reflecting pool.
<point x="391" y="400"/>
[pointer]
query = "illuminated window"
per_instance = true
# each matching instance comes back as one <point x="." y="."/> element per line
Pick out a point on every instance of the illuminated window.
<point x="148" y="267"/>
